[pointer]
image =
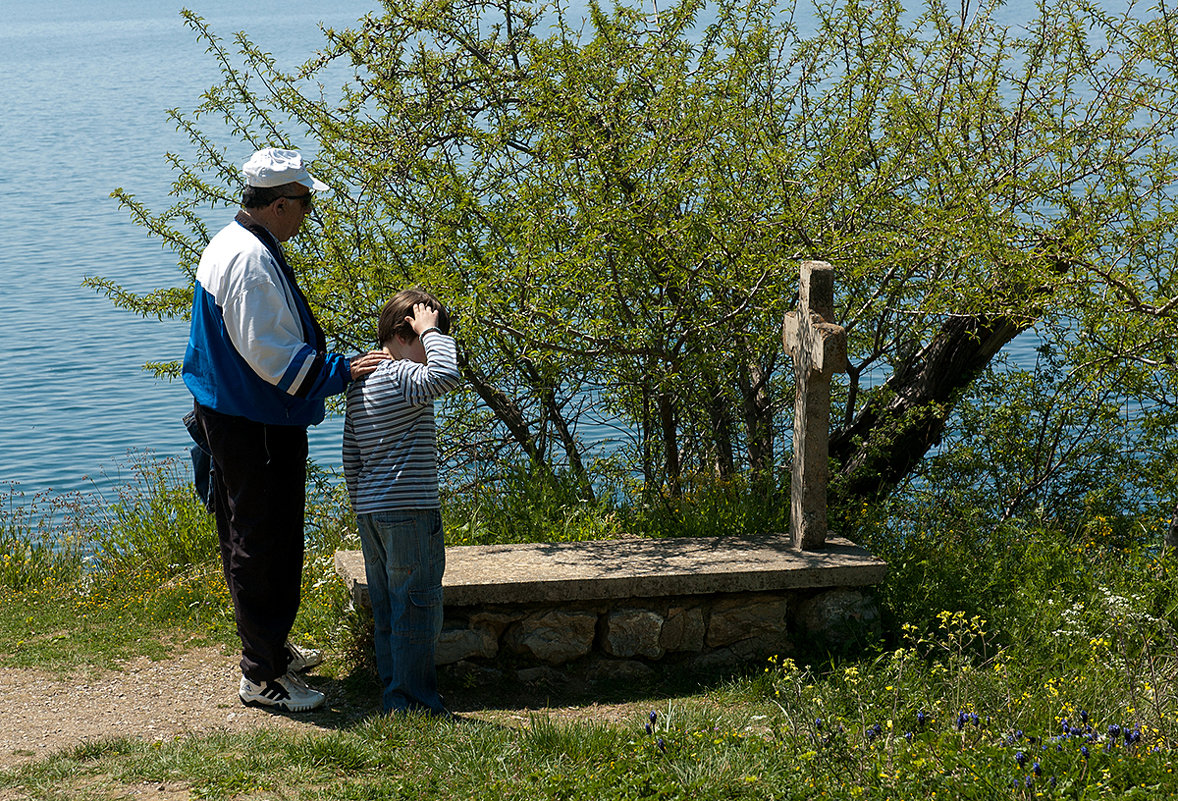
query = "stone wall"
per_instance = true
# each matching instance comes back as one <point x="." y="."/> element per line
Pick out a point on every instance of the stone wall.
<point x="636" y="637"/>
<point x="618" y="609"/>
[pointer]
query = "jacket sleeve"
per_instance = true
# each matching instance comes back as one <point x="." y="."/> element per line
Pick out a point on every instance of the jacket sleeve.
<point x="265" y="329"/>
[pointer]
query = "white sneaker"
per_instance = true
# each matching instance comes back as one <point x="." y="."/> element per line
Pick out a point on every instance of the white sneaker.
<point x="302" y="658"/>
<point x="287" y="693"/>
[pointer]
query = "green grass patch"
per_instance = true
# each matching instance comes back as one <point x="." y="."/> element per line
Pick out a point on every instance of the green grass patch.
<point x="1018" y="661"/>
<point x="761" y="748"/>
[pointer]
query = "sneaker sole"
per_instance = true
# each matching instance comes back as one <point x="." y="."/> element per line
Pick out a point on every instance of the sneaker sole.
<point x="282" y="706"/>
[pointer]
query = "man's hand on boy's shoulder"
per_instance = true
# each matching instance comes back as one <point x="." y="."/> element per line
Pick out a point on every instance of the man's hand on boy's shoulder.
<point x="366" y="363"/>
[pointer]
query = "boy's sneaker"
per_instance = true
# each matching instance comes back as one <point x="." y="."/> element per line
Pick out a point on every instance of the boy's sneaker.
<point x="286" y="693"/>
<point x="302" y="658"/>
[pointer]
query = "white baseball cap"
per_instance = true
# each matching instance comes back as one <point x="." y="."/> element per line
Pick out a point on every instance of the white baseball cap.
<point x="272" y="166"/>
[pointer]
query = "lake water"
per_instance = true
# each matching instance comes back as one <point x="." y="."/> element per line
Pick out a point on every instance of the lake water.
<point x="84" y="86"/>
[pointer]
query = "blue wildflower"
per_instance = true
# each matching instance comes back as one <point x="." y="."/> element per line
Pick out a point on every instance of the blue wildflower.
<point x="974" y="719"/>
<point x="1084" y="751"/>
<point x="653" y="717"/>
<point x="818" y="724"/>
<point x="1037" y="769"/>
<point x="1114" y="730"/>
<point x="1020" y="758"/>
<point x="1083" y="715"/>
<point x="920" y="717"/>
<point x="908" y="736"/>
<point x="649" y="729"/>
<point x="662" y="745"/>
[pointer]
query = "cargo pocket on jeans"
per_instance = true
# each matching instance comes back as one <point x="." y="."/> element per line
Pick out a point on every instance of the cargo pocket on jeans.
<point x="425" y="612"/>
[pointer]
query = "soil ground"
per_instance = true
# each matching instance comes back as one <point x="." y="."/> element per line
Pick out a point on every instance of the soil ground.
<point x="194" y="692"/>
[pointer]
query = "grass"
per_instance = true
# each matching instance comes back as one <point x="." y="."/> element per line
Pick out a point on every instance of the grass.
<point x="1019" y="661"/>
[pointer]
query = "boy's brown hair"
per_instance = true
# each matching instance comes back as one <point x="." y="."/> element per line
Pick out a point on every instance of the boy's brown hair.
<point x="392" y="316"/>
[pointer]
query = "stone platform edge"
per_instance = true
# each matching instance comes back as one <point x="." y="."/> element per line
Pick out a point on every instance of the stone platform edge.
<point x="600" y="570"/>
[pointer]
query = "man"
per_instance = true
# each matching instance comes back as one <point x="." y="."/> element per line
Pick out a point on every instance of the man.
<point x="258" y="369"/>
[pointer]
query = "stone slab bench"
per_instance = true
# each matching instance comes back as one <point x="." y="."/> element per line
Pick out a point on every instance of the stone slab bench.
<point x="617" y="607"/>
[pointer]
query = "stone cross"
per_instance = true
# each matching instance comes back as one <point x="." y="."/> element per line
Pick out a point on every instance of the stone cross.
<point x="819" y="350"/>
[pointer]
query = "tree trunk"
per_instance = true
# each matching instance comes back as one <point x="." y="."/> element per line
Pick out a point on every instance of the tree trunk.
<point x="906" y="417"/>
<point x="567" y="441"/>
<point x="758" y="417"/>
<point x="720" y="419"/>
<point x="504" y="409"/>
<point x="670" y="443"/>
<point x="571" y="449"/>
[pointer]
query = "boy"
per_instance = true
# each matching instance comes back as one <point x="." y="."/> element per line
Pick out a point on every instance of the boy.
<point x="390" y="465"/>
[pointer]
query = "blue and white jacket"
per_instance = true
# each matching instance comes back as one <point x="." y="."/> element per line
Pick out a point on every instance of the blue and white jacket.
<point x="255" y="348"/>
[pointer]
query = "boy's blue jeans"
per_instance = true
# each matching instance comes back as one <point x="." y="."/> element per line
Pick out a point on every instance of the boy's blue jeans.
<point x="404" y="558"/>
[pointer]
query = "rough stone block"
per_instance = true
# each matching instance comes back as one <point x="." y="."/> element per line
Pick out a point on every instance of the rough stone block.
<point x="721" y="660"/>
<point x="619" y="670"/>
<point x="734" y="619"/>
<point x="495" y="621"/>
<point x="455" y="644"/>
<point x="841" y="618"/>
<point x="541" y="675"/>
<point x="554" y="636"/>
<point x="757" y="649"/>
<point x="683" y="630"/>
<point x="633" y="632"/>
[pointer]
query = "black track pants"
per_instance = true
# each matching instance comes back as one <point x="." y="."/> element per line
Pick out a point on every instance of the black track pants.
<point x="259" y="485"/>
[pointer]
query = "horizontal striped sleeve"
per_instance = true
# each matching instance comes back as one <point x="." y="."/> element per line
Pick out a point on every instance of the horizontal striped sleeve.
<point x="438" y="375"/>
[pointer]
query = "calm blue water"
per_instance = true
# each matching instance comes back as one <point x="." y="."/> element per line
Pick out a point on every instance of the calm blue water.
<point x="83" y="89"/>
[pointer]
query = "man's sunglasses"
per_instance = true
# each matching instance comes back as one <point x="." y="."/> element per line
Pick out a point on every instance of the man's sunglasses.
<point x="306" y="199"/>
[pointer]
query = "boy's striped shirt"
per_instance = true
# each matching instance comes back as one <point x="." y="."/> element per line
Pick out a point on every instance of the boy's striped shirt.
<point x="390" y="438"/>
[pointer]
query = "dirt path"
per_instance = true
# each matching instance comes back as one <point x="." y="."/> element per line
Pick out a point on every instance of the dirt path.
<point x="194" y="692"/>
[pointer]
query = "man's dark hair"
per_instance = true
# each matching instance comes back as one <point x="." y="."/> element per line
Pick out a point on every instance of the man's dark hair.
<point x="392" y="316"/>
<point x="259" y="197"/>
